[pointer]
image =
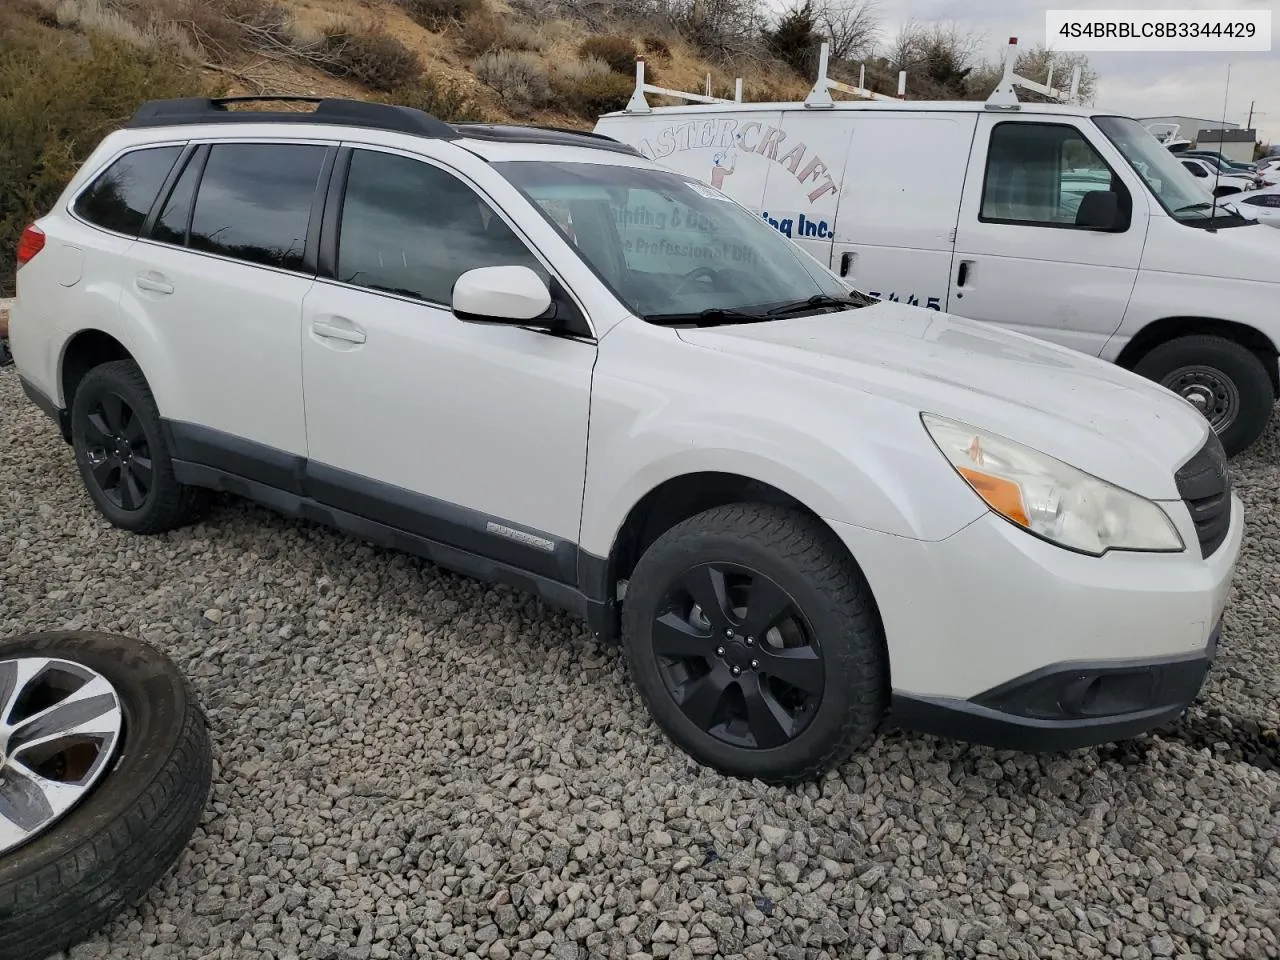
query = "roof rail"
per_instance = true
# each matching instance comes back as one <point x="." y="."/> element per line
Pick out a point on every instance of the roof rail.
<point x="820" y="96"/>
<point x="1004" y="97"/>
<point x="519" y="133"/>
<point x="351" y="113"/>
<point x="638" y="104"/>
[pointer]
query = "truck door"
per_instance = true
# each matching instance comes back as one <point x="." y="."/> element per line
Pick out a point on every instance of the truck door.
<point x="899" y="204"/>
<point x="803" y="156"/>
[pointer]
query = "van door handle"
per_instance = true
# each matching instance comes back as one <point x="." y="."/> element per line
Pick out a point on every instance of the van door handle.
<point x="846" y="263"/>
<point x="962" y="275"/>
<point x="334" y="331"/>
<point x="153" y="282"/>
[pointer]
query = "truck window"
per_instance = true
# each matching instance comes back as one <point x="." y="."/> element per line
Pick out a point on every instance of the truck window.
<point x="1037" y="174"/>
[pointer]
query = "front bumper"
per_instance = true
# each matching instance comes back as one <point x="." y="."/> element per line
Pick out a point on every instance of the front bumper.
<point x="998" y="637"/>
<point x="1066" y="705"/>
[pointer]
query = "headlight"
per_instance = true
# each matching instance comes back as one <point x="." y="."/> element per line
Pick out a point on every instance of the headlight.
<point x="1050" y="498"/>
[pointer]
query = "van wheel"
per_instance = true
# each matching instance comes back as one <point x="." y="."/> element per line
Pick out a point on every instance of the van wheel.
<point x="122" y="455"/>
<point x="755" y="643"/>
<point x="1222" y="379"/>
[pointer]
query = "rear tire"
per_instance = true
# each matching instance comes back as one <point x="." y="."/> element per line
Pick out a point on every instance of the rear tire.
<point x="789" y="611"/>
<point x="1226" y="381"/>
<point x="122" y="454"/>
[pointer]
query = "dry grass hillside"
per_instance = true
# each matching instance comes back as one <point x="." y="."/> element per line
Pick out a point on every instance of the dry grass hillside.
<point x="71" y="70"/>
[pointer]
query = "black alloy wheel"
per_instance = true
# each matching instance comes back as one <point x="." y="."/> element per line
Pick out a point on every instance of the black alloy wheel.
<point x="118" y="452"/>
<point x="738" y="656"/>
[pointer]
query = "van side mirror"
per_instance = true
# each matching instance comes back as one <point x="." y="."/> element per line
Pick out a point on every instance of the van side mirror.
<point x="1099" y="210"/>
<point x="513" y="294"/>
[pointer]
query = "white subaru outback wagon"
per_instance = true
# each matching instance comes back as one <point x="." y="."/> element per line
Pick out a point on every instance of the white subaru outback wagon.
<point x="535" y="357"/>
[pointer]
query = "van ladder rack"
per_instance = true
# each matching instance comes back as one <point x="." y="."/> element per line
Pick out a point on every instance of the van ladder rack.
<point x="820" y="96"/>
<point x="638" y="103"/>
<point x="1004" y="97"/>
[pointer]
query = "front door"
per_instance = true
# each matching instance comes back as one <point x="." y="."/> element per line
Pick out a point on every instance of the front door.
<point x="470" y="434"/>
<point x="1021" y="260"/>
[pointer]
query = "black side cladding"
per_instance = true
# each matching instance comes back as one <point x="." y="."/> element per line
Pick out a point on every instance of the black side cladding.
<point x="1204" y="483"/>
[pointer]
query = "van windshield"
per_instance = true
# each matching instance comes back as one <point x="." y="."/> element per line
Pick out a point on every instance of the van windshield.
<point x="1176" y="189"/>
<point x="676" y="251"/>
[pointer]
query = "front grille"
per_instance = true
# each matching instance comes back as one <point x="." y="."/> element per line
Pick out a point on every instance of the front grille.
<point x="1204" y="484"/>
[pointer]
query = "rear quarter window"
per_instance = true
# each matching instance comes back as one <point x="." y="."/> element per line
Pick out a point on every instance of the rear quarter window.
<point x="120" y="198"/>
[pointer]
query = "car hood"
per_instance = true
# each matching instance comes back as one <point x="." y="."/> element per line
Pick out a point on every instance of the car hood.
<point x="1089" y="413"/>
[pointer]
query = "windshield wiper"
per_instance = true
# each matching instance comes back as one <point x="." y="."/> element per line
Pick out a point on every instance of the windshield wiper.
<point x="1192" y="206"/>
<point x="822" y="300"/>
<point x="705" y="318"/>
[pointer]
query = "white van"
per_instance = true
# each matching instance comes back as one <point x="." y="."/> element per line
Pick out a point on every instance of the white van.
<point x="1066" y="223"/>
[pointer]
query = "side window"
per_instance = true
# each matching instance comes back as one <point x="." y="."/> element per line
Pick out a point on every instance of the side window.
<point x="122" y="195"/>
<point x="1195" y="168"/>
<point x="1038" y="174"/>
<point x="171" y="226"/>
<point x="412" y="229"/>
<point x="254" y="202"/>
<point x="1266" y="200"/>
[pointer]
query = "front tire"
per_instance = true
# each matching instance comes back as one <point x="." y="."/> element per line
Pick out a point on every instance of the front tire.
<point x="754" y="640"/>
<point x="1224" y="380"/>
<point x="122" y="454"/>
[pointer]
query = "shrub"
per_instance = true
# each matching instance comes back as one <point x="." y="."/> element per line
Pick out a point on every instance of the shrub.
<point x="58" y="98"/>
<point x="441" y="98"/>
<point x="592" y="94"/>
<point x="374" y="59"/>
<point x="580" y="71"/>
<point x="617" y="51"/>
<point x="517" y="76"/>
<point x="657" y="47"/>
<point x="224" y="28"/>
<point x="437" y="14"/>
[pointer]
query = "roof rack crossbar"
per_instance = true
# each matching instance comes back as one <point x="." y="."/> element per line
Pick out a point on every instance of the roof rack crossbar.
<point x="1005" y="97"/>
<point x="638" y="103"/>
<point x="819" y="97"/>
<point x="329" y="110"/>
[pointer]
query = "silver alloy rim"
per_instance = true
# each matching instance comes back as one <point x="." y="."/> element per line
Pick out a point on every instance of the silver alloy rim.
<point x="1209" y="391"/>
<point x="60" y="724"/>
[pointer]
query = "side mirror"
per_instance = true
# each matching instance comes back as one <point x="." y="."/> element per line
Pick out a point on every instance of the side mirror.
<point x="1099" y="210"/>
<point x="502" y="295"/>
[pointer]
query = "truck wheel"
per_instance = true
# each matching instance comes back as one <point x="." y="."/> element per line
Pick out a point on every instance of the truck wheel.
<point x="122" y="455"/>
<point x="1223" y="380"/>
<point x="755" y="642"/>
<point x="105" y="769"/>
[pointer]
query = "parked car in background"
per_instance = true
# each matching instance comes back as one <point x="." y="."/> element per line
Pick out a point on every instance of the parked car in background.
<point x="536" y="357"/>
<point x="1260" y="205"/>
<point x="1223" y="161"/>
<point x="1215" y="180"/>
<point x="1069" y="224"/>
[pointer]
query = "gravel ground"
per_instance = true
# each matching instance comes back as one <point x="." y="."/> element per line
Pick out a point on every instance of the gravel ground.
<point x="411" y="764"/>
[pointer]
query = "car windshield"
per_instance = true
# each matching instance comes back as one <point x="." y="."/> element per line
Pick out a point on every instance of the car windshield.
<point x="674" y="250"/>
<point x="1174" y="186"/>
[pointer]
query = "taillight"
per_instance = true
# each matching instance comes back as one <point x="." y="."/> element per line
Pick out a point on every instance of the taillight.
<point x="32" y="242"/>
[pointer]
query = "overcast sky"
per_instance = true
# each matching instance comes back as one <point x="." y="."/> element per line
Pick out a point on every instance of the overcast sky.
<point x="1135" y="84"/>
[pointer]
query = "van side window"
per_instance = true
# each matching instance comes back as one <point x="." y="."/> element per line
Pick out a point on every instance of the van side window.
<point x="254" y="202"/>
<point x="1038" y="173"/>
<point x="122" y="195"/>
<point x="412" y="229"/>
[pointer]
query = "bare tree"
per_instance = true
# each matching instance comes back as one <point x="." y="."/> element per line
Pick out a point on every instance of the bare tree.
<point x="849" y="26"/>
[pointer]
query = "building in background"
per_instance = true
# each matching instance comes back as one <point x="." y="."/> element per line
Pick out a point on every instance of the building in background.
<point x="1235" y="144"/>
<point x="1188" y="127"/>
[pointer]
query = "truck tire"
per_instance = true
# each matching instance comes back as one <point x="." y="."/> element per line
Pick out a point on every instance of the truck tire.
<point x="754" y="640"/>
<point x="141" y="780"/>
<point x="1227" y="382"/>
<point x="123" y="456"/>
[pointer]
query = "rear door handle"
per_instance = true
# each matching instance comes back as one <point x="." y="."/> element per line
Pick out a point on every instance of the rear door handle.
<point x="962" y="275"/>
<point x="846" y="262"/>
<point x="334" y="331"/>
<point x="153" y="282"/>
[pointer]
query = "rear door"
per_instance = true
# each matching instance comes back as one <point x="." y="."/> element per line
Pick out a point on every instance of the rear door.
<point x="899" y="204"/>
<point x="802" y="158"/>
<point x="217" y="287"/>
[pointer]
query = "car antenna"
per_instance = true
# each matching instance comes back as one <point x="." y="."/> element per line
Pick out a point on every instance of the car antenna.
<point x="1217" y="170"/>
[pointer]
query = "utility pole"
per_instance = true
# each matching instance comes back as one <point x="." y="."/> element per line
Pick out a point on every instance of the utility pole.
<point x="1249" y="124"/>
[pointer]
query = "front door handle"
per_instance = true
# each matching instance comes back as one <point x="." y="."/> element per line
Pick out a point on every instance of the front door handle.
<point x="962" y="275"/>
<point x="153" y="282"/>
<point x="846" y="262"/>
<point x="333" y="331"/>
